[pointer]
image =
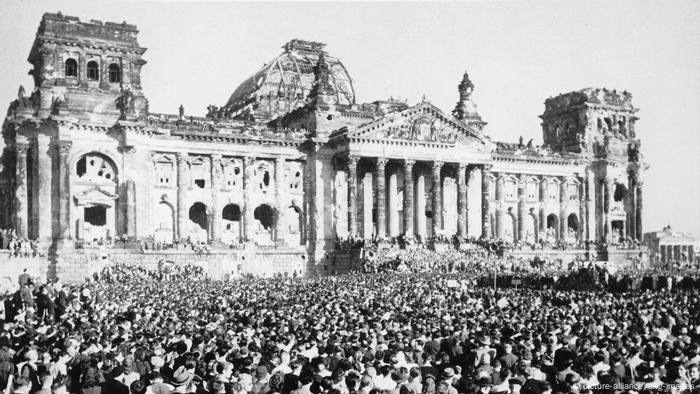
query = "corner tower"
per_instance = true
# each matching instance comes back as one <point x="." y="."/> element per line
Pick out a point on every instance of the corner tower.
<point x="87" y="69"/>
<point x="599" y="124"/>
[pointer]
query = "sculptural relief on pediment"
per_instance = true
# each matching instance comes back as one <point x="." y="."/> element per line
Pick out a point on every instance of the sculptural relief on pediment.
<point x="419" y="126"/>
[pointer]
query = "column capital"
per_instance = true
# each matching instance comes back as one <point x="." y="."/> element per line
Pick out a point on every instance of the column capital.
<point x="182" y="157"/>
<point x="21" y="148"/>
<point x="216" y="157"/>
<point x="353" y="160"/>
<point x="64" y="147"/>
<point x="462" y="166"/>
<point x="381" y="162"/>
<point x="437" y="165"/>
<point x="408" y="163"/>
<point x="487" y="167"/>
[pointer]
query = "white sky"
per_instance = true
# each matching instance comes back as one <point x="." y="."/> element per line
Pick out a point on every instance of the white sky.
<point x="517" y="54"/>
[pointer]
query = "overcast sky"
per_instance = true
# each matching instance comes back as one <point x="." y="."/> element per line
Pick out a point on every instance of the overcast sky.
<point x="517" y="54"/>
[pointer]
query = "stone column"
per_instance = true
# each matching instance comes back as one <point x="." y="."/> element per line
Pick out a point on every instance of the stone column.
<point x="64" y="148"/>
<point x="437" y="197"/>
<point x="500" y="214"/>
<point x="352" y="194"/>
<point x="631" y="206"/>
<point x="21" y="192"/>
<point x="608" y="199"/>
<point x="542" y="220"/>
<point x="131" y="209"/>
<point x="280" y="223"/>
<point x="408" y="197"/>
<point x="583" y="218"/>
<point x="420" y="207"/>
<point x="485" y="200"/>
<point x="563" y="202"/>
<point x="462" y="200"/>
<point x="591" y="205"/>
<point x="393" y="205"/>
<point x="521" y="209"/>
<point x="248" y="208"/>
<point x="216" y="210"/>
<point x="182" y="186"/>
<point x="638" y="206"/>
<point x="381" y="197"/>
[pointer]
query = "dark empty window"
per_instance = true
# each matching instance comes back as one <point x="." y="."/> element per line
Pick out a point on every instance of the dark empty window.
<point x="71" y="69"/>
<point x="81" y="166"/>
<point x="115" y="73"/>
<point x="97" y="216"/>
<point x="198" y="214"/>
<point x="266" y="178"/>
<point x="93" y="71"/>
<point x="232" y="213"/>
<point x="200" y="183"/>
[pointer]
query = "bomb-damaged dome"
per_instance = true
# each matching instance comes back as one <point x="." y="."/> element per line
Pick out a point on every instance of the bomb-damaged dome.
<point x="284" y="83"/>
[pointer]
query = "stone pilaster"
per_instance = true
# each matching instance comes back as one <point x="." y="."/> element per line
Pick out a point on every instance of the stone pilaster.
<point x="591" y="205"/>
<point x="216" y="210"/>
<point x="352" y="194"/>
<point x="462" y="200"/>
<point x="131" y="209"/>
<point x="608" y="199"/>
<point x="408" y="197"/>
<point x="542" y="219"/>
<point x="631" y="208"/>
<point x="563" y="202"/>
<point x="21" y="192"/>
<point x="437" y="197"/>
<point x="485" y="200"/>
<point x="182" y="187"/>
<point x="521" y="209"/>
<point x="248" y="200"/>
<point x="583" y="218"/>
<point x="638" y="213"/>
<point x="381" y="197"/>
<point x="280" y="192"/>
<point x="64" y="148"/>
<point x="500" y="213"/>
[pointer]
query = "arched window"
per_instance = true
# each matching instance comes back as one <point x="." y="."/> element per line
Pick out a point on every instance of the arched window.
<point x="71" y="69"/>
<point x="96" y="168"/>
<point x="115" y="73"/>
<point x="93" y="71"/>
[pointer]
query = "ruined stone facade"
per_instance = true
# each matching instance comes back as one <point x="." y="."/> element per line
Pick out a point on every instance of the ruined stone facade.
<point x="292" y="162"/>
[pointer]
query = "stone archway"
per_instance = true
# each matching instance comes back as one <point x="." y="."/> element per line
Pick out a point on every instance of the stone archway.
<point x="530" y="229"/>
<point x="295" y="231"/>
<point x="266" y="217"/>
<point x="198" y="223"/>
<point x="164" y="223"/>
<point x="572" y="226"/>
<point x="552" y="229"/>
<point x="231" y="222"/>
<point x="509" y="229"/>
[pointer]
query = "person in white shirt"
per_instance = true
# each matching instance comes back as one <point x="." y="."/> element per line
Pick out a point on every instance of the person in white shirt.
<point x="384" y="380"/>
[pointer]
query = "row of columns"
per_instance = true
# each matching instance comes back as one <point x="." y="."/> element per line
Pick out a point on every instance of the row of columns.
<point x="215" y="217"/>
<point x="670" y="253"/>
<point x="413" y="215"/>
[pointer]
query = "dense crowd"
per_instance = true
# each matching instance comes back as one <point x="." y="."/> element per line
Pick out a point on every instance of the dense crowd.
<point x="173" y="329"/>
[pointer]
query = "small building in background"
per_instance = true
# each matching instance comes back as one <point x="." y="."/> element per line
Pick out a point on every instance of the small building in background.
<point x="668" y="246"/>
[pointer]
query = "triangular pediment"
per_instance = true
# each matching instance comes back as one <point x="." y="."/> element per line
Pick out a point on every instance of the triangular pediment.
<point x="422" y="123"/>
<point x="95" y="196"/>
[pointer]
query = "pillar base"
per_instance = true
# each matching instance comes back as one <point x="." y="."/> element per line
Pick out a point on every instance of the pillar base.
<point x="65" y="244"/>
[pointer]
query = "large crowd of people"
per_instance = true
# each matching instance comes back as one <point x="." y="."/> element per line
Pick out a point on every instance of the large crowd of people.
<point x="174" y="329"/>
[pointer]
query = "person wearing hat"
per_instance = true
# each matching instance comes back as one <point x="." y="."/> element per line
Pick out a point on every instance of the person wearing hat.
<point x="180" y="380"/>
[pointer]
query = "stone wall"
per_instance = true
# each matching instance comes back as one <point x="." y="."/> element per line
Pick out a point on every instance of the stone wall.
<point x="76" y="265"/>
